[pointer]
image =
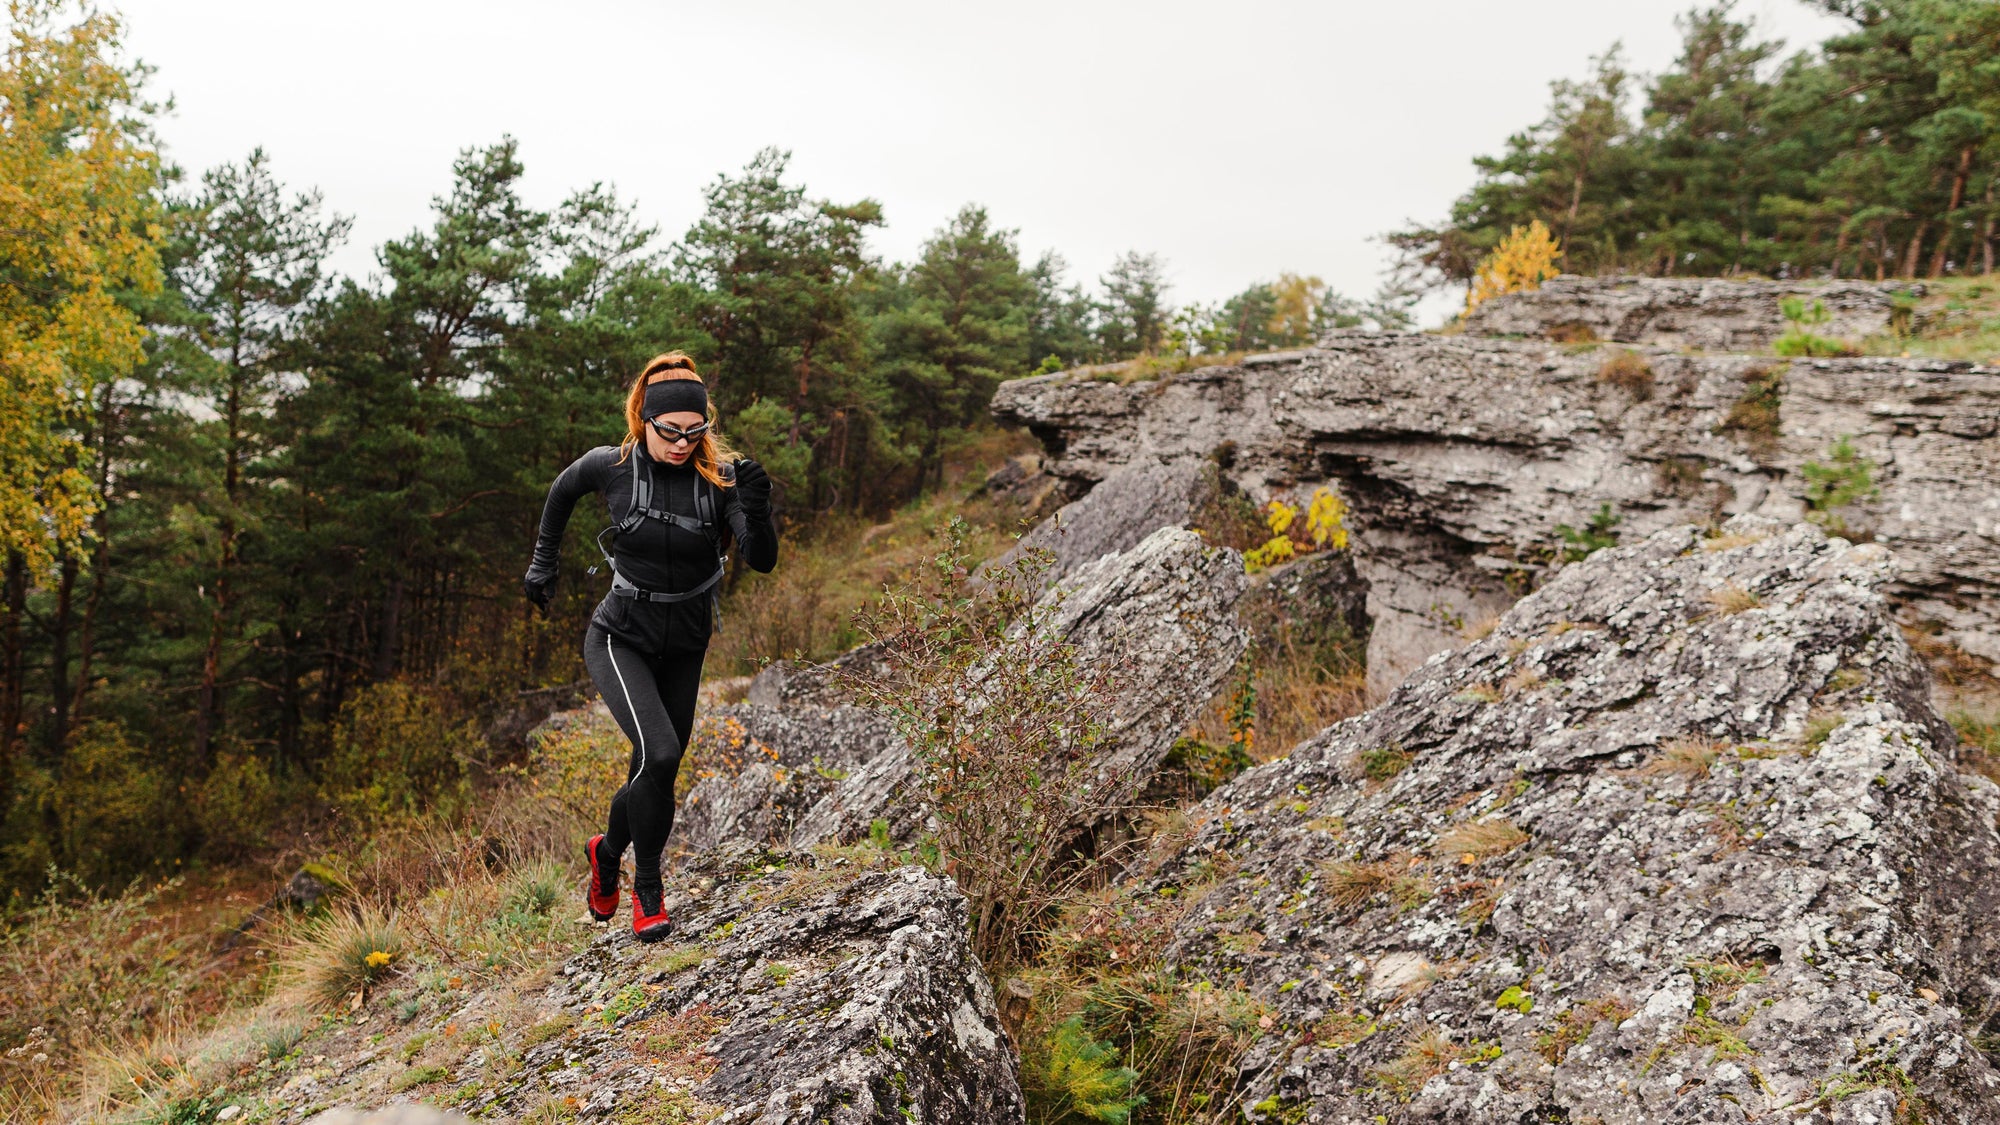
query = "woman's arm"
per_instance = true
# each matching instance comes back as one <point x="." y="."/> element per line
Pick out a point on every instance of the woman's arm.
<point x="747" y="507"/>
<point x="584" y="476"/>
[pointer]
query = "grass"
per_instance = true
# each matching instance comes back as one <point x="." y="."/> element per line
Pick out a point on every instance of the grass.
<point x="1574" y="1025"/>
<point x="1479" y="840"/>
<point x="1428" y="1054"/>
<point x="1960" y="318"/>
<point x="1384" y="762"/>
<point x="1689" y="757"/>
<point x="1629" y="372"/>
<point x="1732" y="598"/>
<point x="835" y="564"/>
<point x="1978" y="730"/>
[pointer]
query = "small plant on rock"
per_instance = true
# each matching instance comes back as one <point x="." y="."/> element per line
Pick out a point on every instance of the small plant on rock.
<point x="1846" y="478"/>
<point x="341" y="956"/>
<point x="1085" y="1079"/>
<point x="1629" y="372"/>
<point x="1799" y="339"/>
<point x="1596" y="535"/>
<point x="1004" y="718"/>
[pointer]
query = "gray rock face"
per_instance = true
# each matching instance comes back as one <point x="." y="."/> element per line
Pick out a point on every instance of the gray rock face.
<point x="1130" y="503"/>
<point x="1682" y="840"/>
<point x="1163" y="613"/>
<point x="773" y="762"/>
<point x="1460" y="459"/>
<point x="1705" y="313"/>
<point x="808" y="995"/>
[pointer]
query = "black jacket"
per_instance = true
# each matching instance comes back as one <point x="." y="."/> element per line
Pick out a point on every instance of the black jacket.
<point x="655" y="555"/>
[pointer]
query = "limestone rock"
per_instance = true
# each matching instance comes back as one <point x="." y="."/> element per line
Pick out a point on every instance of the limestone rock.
<point x="1461" y="458"/>
<point x="1703" y="313"/>
<point x="1129" y="504"/>
<point x="1681" y="840"/>
<point x="767" y="764"/>
<point x="1162" y="613"/>
<point x="806" y="995"/>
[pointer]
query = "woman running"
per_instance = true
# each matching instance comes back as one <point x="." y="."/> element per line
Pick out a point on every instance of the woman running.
<point x="676" y="494"/>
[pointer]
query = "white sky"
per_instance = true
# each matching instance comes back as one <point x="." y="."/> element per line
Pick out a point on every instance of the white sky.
<point x="1235" y="139"/>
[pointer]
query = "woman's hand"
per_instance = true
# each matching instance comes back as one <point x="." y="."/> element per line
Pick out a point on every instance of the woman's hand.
<point x="753" y="486"/>
<point x="540" y="587"/>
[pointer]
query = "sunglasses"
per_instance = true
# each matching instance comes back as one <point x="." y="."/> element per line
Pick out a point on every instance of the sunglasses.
<point x="674" y="434"/>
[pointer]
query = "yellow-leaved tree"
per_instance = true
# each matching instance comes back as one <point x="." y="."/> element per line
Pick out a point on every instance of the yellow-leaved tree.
<point x="1523" y="260"/>
<point x="80" y="224"/>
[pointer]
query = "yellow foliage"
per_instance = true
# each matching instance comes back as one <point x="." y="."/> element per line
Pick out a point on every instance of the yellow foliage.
<point x="1292" y="312"/>
<point x="79" y="215"/>
<point x="1324" y="528"/>
<point x="1523" y="260"/>
<point x="1325" y="520"/>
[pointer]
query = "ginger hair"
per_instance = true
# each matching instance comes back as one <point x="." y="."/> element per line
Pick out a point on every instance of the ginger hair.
<point x="711" y="453"/>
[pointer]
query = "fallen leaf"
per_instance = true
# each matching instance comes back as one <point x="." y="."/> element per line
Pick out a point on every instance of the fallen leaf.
<point x="1928" y="994"/>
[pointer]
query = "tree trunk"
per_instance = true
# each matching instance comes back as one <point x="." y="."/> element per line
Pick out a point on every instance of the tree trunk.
<point x="59" y="635"/>
<point x="392" y="615"/>
<point x="110" y="422"/>
<point x="1958" y="183"/>
<point x="1916" y="249"/>
<point x="12" y="668"/>
<point x="208" y="704"/>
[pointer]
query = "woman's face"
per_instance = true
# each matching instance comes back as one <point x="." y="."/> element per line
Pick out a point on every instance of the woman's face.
<point x="673" y="453"/>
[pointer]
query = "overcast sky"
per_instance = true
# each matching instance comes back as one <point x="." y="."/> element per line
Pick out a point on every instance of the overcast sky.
<point x="1236" y="139"/>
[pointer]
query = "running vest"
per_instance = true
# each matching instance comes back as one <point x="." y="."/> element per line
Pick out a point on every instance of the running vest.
<point x="703" y="522"/>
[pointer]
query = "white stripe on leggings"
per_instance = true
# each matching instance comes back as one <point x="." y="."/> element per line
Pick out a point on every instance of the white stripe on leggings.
<point x="629" y="709"/>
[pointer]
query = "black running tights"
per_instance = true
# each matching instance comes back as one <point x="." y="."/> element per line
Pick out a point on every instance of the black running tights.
<point x="652" y="697"/>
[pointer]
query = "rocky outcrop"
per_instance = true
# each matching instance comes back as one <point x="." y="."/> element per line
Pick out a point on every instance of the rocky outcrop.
<point x="1707" y="314"/>
<point x="804" y="994"/>
<point x="836" y="989"/>
<point x="1681" y="840"/>
<point x="765" y="765"/>
<point x="1130" y="503"/>
<point x="1463" y="459"/>
<point x="1161" y="615"/>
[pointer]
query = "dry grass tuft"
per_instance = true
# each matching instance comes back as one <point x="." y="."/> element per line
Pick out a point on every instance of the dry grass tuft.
<point x="336" y="959"/>
<point x="1684" y="757"/>
<point x="1629" y="372"/>
<point x="1349" y="884"/>
<point x="1428" y="1055"/>
<point x="1573" y="1026"/>
<point x="1731" y="598"/>
<point x="1480" y="840"/>
<point x="1524" y="681"/>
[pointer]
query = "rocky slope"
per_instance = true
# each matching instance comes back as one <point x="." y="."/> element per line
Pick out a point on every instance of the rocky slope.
<point x="836" y="988"/>
<point x="1462" y="459"/>
<point x="1706" y="313"/>
<point x="1682" y="839"/>
<point x="1161" y="613"/>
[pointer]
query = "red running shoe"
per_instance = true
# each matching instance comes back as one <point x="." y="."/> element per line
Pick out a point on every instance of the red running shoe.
<point x="603" y="890"/>
<point x="652" y="925"/>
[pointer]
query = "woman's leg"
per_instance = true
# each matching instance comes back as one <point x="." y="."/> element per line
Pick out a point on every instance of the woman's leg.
<point x="642" y="811"/>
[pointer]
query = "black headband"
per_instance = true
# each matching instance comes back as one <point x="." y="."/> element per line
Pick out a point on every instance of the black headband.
<point x="670" y="396"/>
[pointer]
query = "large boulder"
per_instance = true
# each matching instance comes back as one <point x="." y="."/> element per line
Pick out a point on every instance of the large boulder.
<point x="801" y="995"/>
<point x="1118" y="512"/>
<point x="1458" y="505"/>
<point x="1161" y="615"/>
<point x="1710" y="314"/>
<point x="1681" y="840"/>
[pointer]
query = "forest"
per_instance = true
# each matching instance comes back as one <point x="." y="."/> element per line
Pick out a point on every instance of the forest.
<point x="259" y="518"/>
<point x="1872" y="155"/>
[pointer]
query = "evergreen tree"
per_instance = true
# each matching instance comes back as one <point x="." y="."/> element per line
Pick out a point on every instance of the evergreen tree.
<point x="1061" y="317"/>
<point x="963" y="329"/>
<point x="1135" y="313"/>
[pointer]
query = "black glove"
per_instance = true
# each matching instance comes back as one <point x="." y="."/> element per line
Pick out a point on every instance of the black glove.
<point x="753" y="487"/>
<point x="540" y="587"/>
